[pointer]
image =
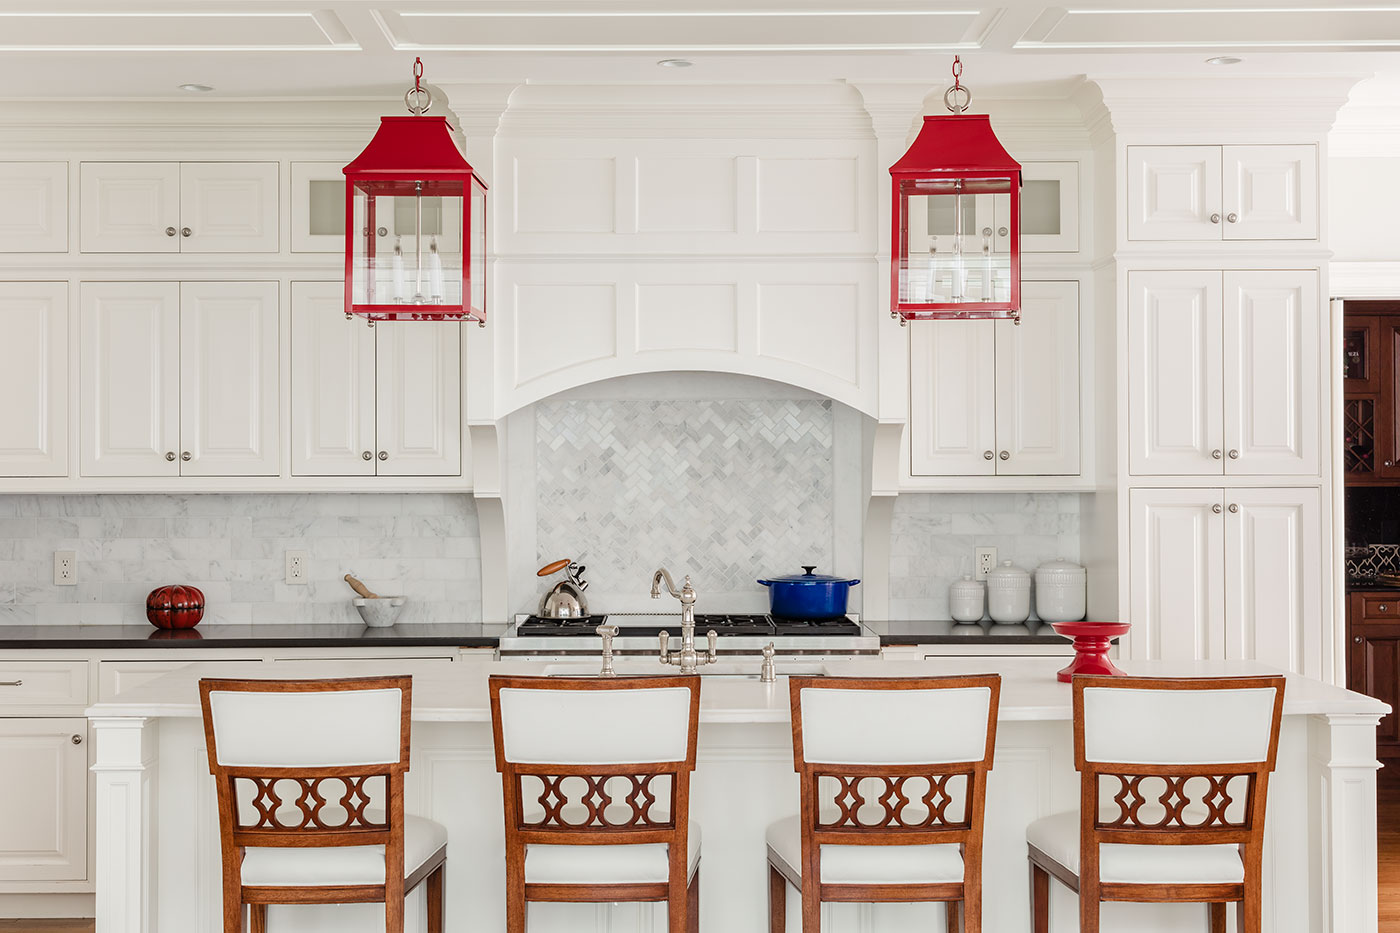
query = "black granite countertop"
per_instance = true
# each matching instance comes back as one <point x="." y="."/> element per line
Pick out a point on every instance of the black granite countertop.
<point x="438" y="635"/>
<point x="1370" y="585"/>
<point x="946" y="632"/>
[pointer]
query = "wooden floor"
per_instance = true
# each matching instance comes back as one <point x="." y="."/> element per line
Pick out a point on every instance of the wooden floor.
<point x="46" y="926"/>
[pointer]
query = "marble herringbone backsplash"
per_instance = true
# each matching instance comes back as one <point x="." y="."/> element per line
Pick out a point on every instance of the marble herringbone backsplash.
<point x="725" y="489"/>
<point x="424" y="546"/>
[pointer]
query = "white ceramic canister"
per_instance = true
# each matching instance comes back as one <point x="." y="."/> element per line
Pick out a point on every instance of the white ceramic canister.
<point x="1008" y="594"/>
<point x="967" y="600"/>
<point x="1059" y="591"/>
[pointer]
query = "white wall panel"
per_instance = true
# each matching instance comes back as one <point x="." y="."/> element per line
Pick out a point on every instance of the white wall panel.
<point x="815" y="325"/>
<point x="687" y="195"/>
<point x="808" y="195"/>
<point x="562" y="325"/>
<point x="687" y="317"/>
<point x="574" y="195"/>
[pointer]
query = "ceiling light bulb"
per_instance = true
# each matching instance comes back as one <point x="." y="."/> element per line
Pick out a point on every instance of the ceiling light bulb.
<point x="1224" y="60"/>
<point x="675" y="63"/>
<point x="196" y="88"/>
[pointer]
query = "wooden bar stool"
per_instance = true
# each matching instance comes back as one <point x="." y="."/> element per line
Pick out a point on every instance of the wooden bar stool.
<point x="310" y="785"/>
<point x="893" y="783"/>
<point x="596" y="779"/>
<point x="1174" y="776"/>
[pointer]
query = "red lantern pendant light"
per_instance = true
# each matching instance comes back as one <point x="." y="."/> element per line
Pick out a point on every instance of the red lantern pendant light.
<point x="956" y="251"/>
<point x="415" y="221"/>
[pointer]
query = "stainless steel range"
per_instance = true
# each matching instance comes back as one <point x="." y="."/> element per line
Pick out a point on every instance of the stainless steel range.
<point x="737" y="635"/>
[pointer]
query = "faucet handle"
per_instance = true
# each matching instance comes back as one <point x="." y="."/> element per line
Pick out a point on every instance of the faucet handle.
<point x="768" y="673"/>
<point x="665" y="638"/>
<point x="713" y="654"/>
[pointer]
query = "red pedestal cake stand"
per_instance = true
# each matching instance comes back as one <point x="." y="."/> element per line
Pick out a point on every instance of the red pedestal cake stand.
<point x="1091" y="641"/>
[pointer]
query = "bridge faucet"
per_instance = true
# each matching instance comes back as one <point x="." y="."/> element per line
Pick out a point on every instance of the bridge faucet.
<point x="687" y="658"/>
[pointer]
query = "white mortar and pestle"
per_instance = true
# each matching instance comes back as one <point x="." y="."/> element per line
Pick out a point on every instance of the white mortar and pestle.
<point x="377" y="611"/>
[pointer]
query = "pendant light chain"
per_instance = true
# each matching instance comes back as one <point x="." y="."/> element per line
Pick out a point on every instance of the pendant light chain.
<point x="950" y="96"/>
<point x="419" y="99"/>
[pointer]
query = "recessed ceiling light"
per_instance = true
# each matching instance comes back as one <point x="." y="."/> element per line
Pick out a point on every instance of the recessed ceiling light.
<point x="675" y="63"/>
<point x="196" y="88"/>
<point x="1224" y="60"/>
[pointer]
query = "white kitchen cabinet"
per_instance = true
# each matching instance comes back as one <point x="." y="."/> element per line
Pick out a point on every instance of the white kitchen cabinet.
<point x="1049" y="207"/>
<point x="33" y="207"/>
<point x="1222" y="192"/>
<point x="179" y="379"/>
<point x="228" y="379"/>
<point x="418" y="392"/>
<point x="318" y="207"/>
<point x="1226" y="573"/>
<point x="998" y="398"/>
<point x="332" y="385"/>
<point x="34" y="378"/>
<point x="169" y="207"/>
<point x="384" y="400"/>
<point x="43" y="812"/>
<point x="1223" y="375"/>
<point x="129" y="410"/>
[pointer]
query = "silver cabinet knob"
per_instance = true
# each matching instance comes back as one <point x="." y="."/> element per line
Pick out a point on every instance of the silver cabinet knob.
<point x="986" y="231"/>
<point x="1215" y="218"/>
<point x="383" y="231"/>
<point x="1232" y="217"/>
<point x="1357" y="639"/>
<point x="1390" y="463"/>
<point x="987" y="455"/>
<point x="185" y="231"/>
<point x="367" y="455"/>
<point x="1216" y="508"/>
<point x="185" y="456"/>
<point x="170" y="455"/>
<point x="1382" y="607"/>
<point x="1234" y="507"/>
<point x="1234" y="454"/>
<point x="1002" y="231"/>
<point x="76" y="739"/>
<point x="1005" y="455"/>
<point x="170" y="231"/>
<point x="384" y="455"/>
<point x="1216" y="454"/>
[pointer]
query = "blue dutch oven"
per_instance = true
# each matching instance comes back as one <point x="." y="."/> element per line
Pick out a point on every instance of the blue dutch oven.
<point x="808" y="595"/>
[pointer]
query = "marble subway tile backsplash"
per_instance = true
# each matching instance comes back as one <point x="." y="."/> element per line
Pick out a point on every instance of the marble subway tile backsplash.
<point x="423" y="546"/>
<point x="933" y="536"/>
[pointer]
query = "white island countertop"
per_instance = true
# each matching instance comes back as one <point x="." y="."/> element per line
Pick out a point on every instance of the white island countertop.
<point x="731" y="693"/>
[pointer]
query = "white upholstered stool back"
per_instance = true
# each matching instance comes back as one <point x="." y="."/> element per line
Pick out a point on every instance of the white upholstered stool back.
<point x="892" y="722"/>
<point x="617" y="722"/>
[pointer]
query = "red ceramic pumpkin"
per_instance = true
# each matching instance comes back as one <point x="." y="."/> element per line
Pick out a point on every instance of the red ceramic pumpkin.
<point x="175" y="607"/>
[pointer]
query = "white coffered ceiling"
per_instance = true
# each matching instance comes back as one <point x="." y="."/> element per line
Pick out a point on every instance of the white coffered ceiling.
<point x="262" y="48"/>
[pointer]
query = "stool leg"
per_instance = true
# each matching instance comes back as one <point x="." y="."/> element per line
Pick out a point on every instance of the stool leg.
<point x="1040" y="899"/>
<point x="434" y="892"/>
<point x="516" y="906"/>
<point x="811" y="905"/>
<point x="1217" y="918"/>
<point x="951" y="910"/>
<point x="1089" y="911"/>
<point x="233" y="908"/>
<point x="777" y="901"/>
<point x="693" y="904"/>
<point x="257" y="918"/>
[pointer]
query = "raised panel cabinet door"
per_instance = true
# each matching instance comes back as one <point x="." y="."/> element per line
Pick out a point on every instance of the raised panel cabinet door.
<point x="1270" y="192"/>
<point x="1373" y="668"/>
<point x="33" y="207"/>
<point x="1175" y="375"/>
<point x="952" y="402"/>
<point x="1273" y="565"/>
<point x="1174" y="193"/>
<point x="332" y="385"/>
<point x="1273" y="324"/>
<point x="34" y="378"/>
<point x="43" y="812"/>
<point x="418" y="378"/>
<point x="129" y="409"/>
<point x="1176" y="578"/>
<point x="228" y="379"/>
<point x="129" y="207"/>
<point x="1037" y="383"/>
<point x="228" y="207"/>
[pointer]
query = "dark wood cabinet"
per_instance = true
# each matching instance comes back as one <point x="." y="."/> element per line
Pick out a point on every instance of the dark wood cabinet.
<point x="1373" y="658"/>
<point x="1371" y="382"/>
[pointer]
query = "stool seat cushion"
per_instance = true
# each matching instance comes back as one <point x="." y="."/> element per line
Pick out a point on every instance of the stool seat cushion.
<point x="1058" y="837"/>
<point x="605" y="864"/>
<point x="266" y="866"/>
<point x="931" y="864"/>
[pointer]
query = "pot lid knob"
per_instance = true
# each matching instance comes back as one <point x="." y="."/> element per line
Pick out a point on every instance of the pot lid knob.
<point x="809" y="569"/>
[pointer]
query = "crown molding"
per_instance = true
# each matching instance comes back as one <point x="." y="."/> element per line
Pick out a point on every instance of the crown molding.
<point x="1218" y="110"/>
<point x="829" y="110"/>
<point x="1363" y="279"/>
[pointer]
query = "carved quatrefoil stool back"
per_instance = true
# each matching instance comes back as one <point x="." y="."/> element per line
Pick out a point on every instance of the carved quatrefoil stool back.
<point x="1174" y="776"/>
<point x="310" y="785"/>
<point x="893" y="776"/>
<point x="596" y="779"/>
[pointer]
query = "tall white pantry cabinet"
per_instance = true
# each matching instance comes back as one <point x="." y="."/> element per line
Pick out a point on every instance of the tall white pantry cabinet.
<point x="1223" y="432"/>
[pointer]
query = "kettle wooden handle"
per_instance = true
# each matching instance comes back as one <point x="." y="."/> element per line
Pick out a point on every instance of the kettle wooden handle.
<point x="360" y="588"/>
<point x="555" y="567"/>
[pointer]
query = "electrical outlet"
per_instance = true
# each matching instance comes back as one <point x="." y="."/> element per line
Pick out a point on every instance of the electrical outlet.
<point x="296" y="568"/>
<point x="986" y="560"/>
<point x="65" y="568"/>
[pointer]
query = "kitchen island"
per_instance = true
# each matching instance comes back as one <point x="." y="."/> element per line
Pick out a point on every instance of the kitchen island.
<point x="157" y="831"/>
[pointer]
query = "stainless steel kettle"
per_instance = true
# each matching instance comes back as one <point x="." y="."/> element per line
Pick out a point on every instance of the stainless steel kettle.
<point x="565" y="599"/>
